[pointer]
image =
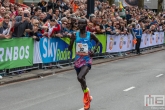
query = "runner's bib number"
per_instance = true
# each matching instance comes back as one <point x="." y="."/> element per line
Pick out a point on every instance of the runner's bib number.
<point x="82" y="49"/>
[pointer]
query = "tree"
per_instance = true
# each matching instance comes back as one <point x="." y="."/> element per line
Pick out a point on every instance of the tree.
<point x="111" y="2"/>
<point x="141" y="4"/>
<point x="160" y="7"/>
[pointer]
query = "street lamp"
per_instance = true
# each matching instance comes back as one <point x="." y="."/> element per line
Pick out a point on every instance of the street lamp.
<point x="90" y="7"/>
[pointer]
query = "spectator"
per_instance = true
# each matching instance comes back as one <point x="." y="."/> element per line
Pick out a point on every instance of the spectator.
<point x="49" y="15"/>
<point x="42" y="18"/>
<point x="13" y="11"/>
<point x="58" y="5"/>
<point x="6" y="3"/>
<point x="50" y="5"/>
<point x="2" y="13"/>
<point x="90" y="27"/>
<point x="69" y="26"/>
<point x="53" y="28"/>
<point x="7" y="9"/>
<point x="0" y="3"/>
<point x="34" y="26"/>
<point x="65" y="5"/>
<point x="32" y="9"/>
<point x="128" y="16"/>
<point x="57" y="15"/>
<point x="21" y="24"/>
<point x="123" y="29"/>
<point x="110" y="29"/>
<point x="5" y="27"/>
<point x="43" y="4"/>
<point x="20" y="11"/>
<point x="37" y="12"/>
<point x="63" y="31"/>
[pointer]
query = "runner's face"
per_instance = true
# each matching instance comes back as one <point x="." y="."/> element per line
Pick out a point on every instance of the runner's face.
<point x="82" y="24"/>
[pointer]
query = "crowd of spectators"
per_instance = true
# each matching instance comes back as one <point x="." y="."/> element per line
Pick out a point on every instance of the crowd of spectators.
<point x="58" y="18"/>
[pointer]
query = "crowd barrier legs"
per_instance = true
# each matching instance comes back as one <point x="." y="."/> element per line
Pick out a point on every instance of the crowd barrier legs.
<point x="20" y="70"/>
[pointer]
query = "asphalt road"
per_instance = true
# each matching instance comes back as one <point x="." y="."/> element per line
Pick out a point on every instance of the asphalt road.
<point x="118" y="85"/>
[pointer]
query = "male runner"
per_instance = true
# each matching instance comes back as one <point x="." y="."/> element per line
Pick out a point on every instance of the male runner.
<point x="83" y="58"/>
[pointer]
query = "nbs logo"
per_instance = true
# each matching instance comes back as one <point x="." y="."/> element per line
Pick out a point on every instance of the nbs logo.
<point x="154" y="100"/>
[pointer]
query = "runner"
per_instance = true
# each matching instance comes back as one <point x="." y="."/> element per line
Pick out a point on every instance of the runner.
<point x="83" y="58"/>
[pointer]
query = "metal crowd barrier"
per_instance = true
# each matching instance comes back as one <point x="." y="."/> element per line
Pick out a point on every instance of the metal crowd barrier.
<point x="2" y="72"/>
<point x="62" y="64"/>
<point x="17" y="71"/>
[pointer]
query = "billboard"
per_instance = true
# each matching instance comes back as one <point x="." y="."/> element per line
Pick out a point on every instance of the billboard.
<point x="150" y="4"/>
<point x="130" y="2"/>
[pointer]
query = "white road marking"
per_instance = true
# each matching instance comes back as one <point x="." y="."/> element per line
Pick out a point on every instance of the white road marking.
<point x="159" y="75"/>
<point x="129" y="89"/>
<point x="81" y="109"/>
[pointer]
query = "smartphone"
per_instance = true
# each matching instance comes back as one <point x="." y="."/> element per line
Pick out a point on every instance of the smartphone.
<point x="25" y="15"/>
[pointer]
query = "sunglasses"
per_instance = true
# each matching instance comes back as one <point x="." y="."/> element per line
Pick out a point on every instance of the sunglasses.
<point x="35" y="25"/>
<point x="6" y="18"/>
<point x="52" y="20"/>
<point x="65" y="23"/>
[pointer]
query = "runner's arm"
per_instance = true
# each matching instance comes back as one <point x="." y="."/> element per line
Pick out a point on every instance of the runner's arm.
<point x="72" y="39"/>
<point x="96" y="40"/>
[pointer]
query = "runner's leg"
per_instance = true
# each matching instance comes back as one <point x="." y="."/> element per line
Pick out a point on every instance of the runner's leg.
<point x="78" y="71"/>
<point x="81" y="76"/>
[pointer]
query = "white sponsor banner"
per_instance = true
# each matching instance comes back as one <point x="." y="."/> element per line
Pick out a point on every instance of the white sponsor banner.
<point x="151" y="40"/>
<point x="112" y="43"/>
<point x="144" y="41"/>
<point x="156" y="38"/>
<point x="161" y="37"/>
<point x="37" y="56"/>
<point x="130" y="42"/>
<point x="123" y="43"/>
<point x="125" y="40"/>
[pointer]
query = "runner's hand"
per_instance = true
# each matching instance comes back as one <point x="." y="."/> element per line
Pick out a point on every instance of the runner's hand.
<point x="92" y="53"/>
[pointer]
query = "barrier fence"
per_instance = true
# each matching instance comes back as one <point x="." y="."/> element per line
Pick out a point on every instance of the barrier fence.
<point x="23" y="54"/>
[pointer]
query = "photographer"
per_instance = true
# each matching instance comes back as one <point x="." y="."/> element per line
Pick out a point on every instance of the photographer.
<point x="21" y="24"/>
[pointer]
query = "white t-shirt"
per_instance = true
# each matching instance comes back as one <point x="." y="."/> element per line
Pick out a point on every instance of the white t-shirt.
<point x="50" y="29"/>
<point x="7" y="31"/>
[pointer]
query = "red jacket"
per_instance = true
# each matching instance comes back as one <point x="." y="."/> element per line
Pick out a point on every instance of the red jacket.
<point x="90" y="30"/>
<point x="54" y="30"/>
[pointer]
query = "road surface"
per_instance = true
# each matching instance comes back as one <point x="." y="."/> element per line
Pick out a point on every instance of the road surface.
<point x="118" y="85"/>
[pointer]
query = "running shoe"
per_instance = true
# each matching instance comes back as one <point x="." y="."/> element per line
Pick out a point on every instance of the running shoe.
<point x="87" y="99"/>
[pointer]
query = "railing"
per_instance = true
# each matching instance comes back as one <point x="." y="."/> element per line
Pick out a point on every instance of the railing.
<point x="27" y="55"/>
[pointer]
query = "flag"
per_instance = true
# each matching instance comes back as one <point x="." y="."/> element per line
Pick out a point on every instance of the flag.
<point x="121" y="7"/>
<point x="122" y="10"/>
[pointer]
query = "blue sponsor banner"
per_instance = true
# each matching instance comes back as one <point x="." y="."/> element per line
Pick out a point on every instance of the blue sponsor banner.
<point x="53" y="50"/>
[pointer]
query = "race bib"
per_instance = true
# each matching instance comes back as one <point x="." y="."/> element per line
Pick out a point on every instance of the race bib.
<point x="82" y="49"/>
